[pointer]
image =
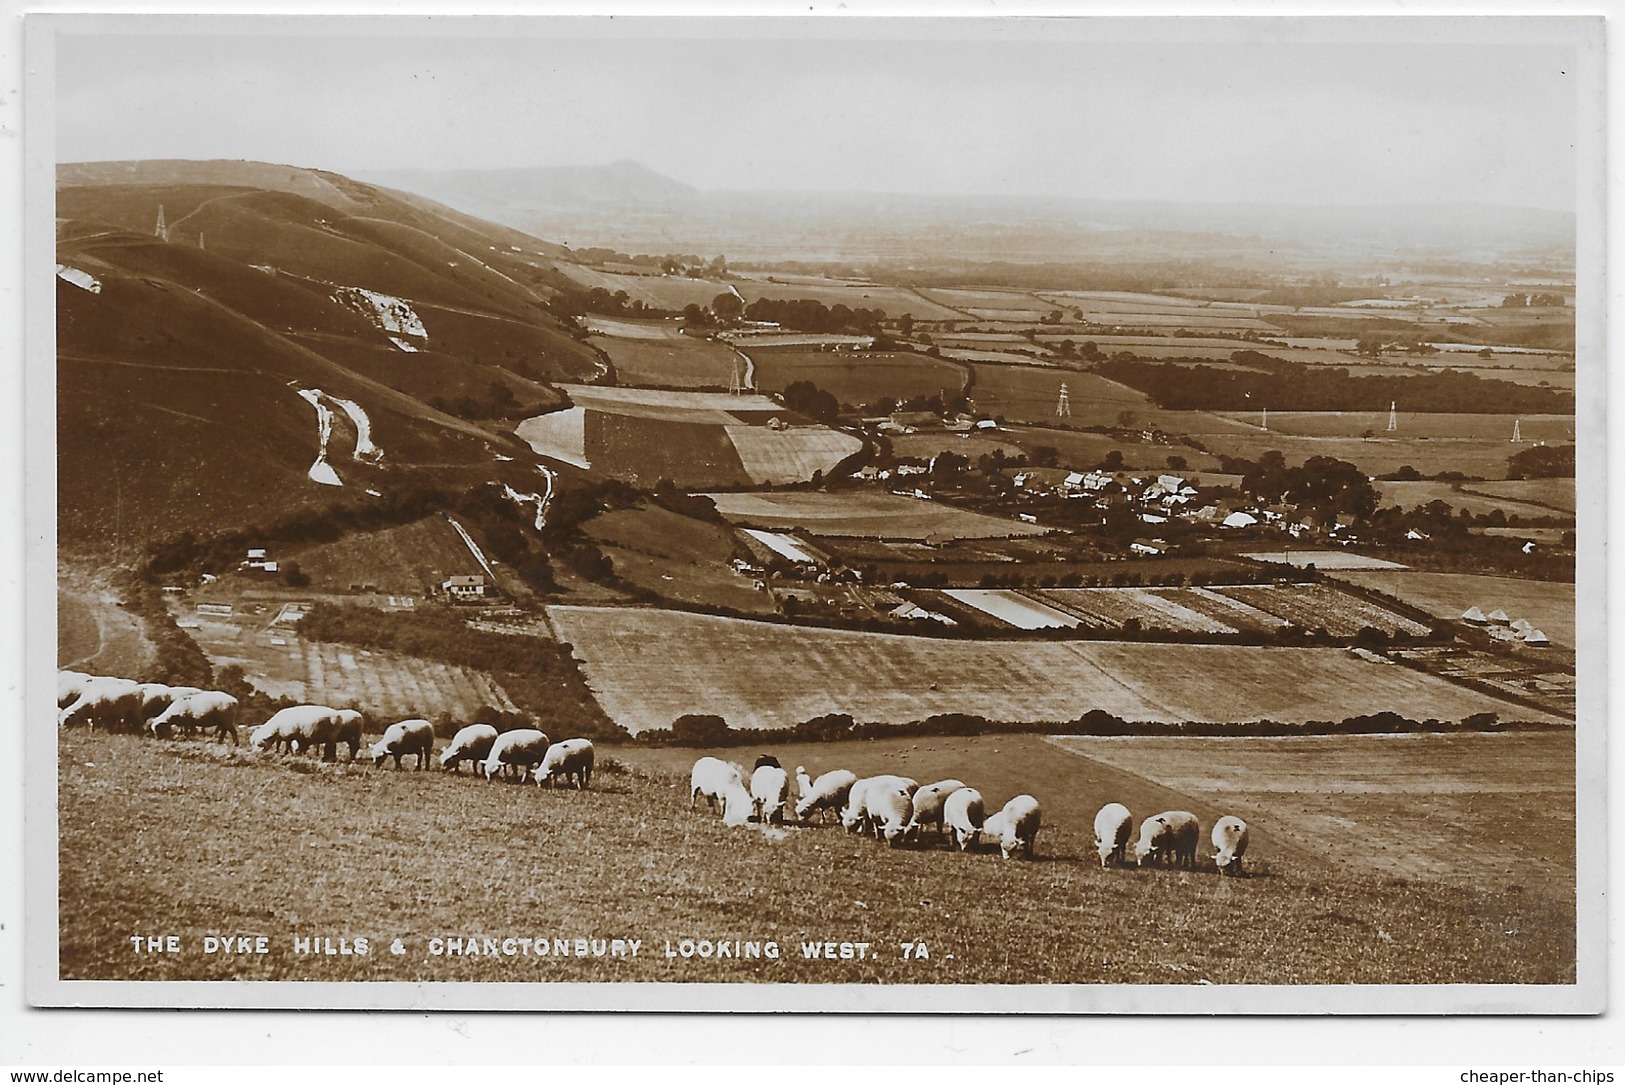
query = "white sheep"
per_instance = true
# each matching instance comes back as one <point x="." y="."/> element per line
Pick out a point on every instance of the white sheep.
<point x="712" y="777"/>
<point x="571" y="760"/>
<point x="69" y="684"/>
<point x="770" y="792"/>
<point x="115" y="703"/>
<point x="405" y="737"/>
<point x="737" y="805"/>
<point x="963" y="814"/>
<point x="471" y="743"/>
<point x="1016" y="826"/>
<point x="928" y="804"/>
<point x="1230" y="844"/>
<point x="891" y="810"/>
<point x="1170" y="836"/>
<point x="308" y="726"/>
<point x="856" y="815"/>
<point x="1113" y="827"/>
<point x="199" y="711"/>
<point x="523" y="749"/>
<point x="826" y="795"/>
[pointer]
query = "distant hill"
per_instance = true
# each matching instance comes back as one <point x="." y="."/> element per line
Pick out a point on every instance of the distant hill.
<point x="632" y="207"/>
<point x="182" y="358"/>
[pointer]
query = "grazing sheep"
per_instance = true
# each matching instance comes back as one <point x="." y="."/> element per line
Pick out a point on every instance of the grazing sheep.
<point x="1230" y="842"/>
<point x="737" y="805"/>
<point x="524" y="749"/>
<point x="471" y="743"/>
<point x="928" y="802"/>
<point x="962" y="813"/>
<point x="712" y="777"/>
<point x="891" y="811"/>
<point x="1167" y="837"/>
<point x="770" y="791"/>
<point x="69" y="684"/>
<point x="1113" y="827"/>
<point x="856" y="815"/>
<point x="826" y="795"/>
<point x="1016" y="826"/>
<point x="307" y="726"/>
<point x="405" y="737"/>
<point x="571" y="759"/>
<point x="115" y="703"/>
<point x="155" y="697"/>
<point x="199" y="711"/>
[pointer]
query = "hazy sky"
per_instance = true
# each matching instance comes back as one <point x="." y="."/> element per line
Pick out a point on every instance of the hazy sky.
<point x="1023" y="108"/>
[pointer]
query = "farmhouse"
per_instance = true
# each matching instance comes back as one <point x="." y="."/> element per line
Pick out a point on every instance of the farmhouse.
<point x="465" y="587"/>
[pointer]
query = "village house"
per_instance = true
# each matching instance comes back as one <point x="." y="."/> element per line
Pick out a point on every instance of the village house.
<point x="465" y="587"/>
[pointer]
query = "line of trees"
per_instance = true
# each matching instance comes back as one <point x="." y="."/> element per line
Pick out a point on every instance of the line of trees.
<point x="1188" y="384"/>
<point x="811" y="315"/>
<point x="709" y="731"/>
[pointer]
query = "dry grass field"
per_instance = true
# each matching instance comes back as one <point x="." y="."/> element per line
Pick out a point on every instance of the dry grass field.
<point x="1550" y="605"/>
<point x="284" y="848"/>
<point x="676" y="361"/>
<point x="413" y="559"/>
<point x="1554" y="493"/>
<point x="667" y="292"/>
<point x="1554" y="429"/>
<point x="676" y="558"/>
<point x="757" y="674"/>
<point x="894" y="300"/>
<point x="869" y="515"/>
<point x="1029" y="394"/>
<point x="1410" y="495"/>
<point x="858" y="377"/>
<point x="1474" y="809"/>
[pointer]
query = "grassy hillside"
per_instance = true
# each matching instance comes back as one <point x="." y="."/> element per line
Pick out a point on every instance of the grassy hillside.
<point x="180" y="360"/>
<point x="431" y="855"/>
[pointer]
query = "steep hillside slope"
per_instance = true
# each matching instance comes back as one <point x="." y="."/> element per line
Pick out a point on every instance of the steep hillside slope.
<point x="285" y="324"/>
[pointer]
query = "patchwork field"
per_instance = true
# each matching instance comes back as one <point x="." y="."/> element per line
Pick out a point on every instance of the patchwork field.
<point x="1012" y="608"/>
<point x="858" y="377"/>
<point x="1246" y="608"/>
<point x="388" y="684"/>
<point x="1550" y="605"/>
<point x="757" y="674"/>
<point x="695" y="439"/>
<point x="869" y="514"/>
<point x="1378" y="455"/>
<point x="242" y="864"/>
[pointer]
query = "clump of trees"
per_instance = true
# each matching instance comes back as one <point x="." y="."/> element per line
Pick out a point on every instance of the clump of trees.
<point x="1542" y="461"/>
<point x="811" y="315"/>
<point x="805" y="397"/>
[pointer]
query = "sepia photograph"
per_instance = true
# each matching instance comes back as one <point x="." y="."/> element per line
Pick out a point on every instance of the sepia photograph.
<point x="900" y="515"/>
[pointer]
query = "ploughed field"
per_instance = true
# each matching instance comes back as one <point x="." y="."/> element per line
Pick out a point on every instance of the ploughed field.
<point x="866" y="515"/>
<point x="196" y="840"/>
<point x="762" y="674"/>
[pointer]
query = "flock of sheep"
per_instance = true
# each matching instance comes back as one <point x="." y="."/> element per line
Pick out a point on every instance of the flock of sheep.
<point x="894" y="808"/>
<point x="897" y="809"/>
<point x="120" y="704"/>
